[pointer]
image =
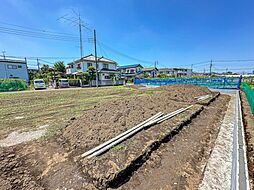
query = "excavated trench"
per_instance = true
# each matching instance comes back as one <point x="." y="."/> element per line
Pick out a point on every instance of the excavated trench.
<point x="99" y="171"/>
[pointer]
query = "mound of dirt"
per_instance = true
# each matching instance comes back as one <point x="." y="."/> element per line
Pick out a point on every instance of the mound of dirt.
<point x="185" y="92"/>
<point x="109" y="119"/>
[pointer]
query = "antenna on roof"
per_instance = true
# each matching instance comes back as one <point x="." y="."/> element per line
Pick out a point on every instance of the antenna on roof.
<point x="3" y="53"/>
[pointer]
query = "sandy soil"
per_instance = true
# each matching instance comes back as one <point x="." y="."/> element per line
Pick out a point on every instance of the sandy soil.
<point x="249" y="134"/>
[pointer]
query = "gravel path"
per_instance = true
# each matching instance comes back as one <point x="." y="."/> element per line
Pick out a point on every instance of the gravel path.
<point x="219" y="167"/>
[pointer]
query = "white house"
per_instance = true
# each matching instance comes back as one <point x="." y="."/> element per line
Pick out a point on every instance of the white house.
<point x="16" y="69"/>
<point x="105" y="66"/>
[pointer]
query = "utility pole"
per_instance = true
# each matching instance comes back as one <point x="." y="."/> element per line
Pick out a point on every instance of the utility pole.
<point x="38" y="65"/>
<point x="95" y="54"/>
<point x="80" y="36"/>
<point x="211" y="64"/>
<point x="77" y="21"/>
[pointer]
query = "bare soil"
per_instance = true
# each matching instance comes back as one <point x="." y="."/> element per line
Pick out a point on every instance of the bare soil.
<point x="179" y="164"/>
<point x="185" y="92"/>
<point x="249" y="134"/>
<point x="54" y="163"/>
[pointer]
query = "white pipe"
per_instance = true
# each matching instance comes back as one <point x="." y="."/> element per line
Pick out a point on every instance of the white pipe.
<point x="133" y="132"/>
<point x="120" y="135"/>
<point x="163" y="117"/>
<point x="168" y="116"/>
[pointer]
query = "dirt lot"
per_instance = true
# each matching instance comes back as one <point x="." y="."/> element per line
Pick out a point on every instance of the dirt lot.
<point x="249" y="132"/>
<point x="28" y="111"/>
<point x="54" y="162"/>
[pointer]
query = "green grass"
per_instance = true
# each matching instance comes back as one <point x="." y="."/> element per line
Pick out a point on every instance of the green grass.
<point x="54" y="108"/>
<point x="119" y="147"/>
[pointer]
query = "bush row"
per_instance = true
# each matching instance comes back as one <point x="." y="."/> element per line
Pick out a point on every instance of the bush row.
<point x="12" y="85"/>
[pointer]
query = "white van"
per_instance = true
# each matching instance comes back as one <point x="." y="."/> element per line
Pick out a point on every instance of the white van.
<point x="39" y="84"/>
<point x="63" y="83"/>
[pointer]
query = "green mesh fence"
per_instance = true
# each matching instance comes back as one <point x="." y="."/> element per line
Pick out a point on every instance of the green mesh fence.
<point x="250" y="95"/>
<point x="12" y="85"/>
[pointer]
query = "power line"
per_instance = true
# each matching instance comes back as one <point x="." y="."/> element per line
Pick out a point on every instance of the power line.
<point x="234" y="60"/>
<point x="36" y="29"/>
<point x="122" y="54"/>
<point x="41" y="35"/>
<point x="39" y="57"/>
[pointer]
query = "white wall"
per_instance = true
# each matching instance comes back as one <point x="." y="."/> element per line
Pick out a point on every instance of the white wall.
<point x="17" y="71"/>
<point x="84" y="67"/>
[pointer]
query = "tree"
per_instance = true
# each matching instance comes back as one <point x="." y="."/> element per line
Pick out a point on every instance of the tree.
<point x="146" y="75"/>
<point x="60" y="67"/>
<point x="44" y="69"/>
<point x="92" y="73"/>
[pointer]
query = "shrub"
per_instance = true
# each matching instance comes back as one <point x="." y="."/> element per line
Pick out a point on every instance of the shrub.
<point x="12" y="85"/>
<point x="74" y="82"/>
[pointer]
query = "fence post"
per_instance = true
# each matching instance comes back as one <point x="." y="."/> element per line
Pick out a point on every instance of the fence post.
<point x="239" y="82"/>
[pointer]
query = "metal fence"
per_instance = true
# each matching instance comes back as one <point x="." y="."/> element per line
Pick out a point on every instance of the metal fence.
<point x="219" y="83"/>
<point x="250" y="95"/>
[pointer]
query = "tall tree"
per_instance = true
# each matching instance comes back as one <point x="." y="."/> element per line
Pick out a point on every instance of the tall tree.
<point x="60" y="67"/>
<point x="44" y="69"/>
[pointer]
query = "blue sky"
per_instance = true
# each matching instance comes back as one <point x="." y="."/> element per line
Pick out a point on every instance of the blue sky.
<point x="174" y="32"/>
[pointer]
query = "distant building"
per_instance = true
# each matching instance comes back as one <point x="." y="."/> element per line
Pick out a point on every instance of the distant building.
<point x="176" y="72"/>
<point x="16" y="69"/>
<point x="106" y="67"/>
<point x="130" y="71"/>
<point x="152" y="72"/>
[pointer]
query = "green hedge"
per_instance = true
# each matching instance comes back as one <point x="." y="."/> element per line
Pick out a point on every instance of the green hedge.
<point x="250" y="95"/>
<point x="12" y="85"/>
<point x="74" y="82"/>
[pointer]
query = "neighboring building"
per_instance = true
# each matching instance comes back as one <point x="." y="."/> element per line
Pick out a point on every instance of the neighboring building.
<point x="176" y="72"/>
<point x="129" y="71"/>
<point x="16" y="69"/>
<point x="152" y="72"/>
<point x="106" y="67"/>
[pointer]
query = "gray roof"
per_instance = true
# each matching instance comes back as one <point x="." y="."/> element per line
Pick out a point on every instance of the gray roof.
<point x="12" y="61"/>
<point x="91" y="58"/>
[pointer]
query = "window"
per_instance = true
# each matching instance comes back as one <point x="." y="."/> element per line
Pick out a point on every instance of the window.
<point x="19" y="66"/>
<point x="72" y="66"/>
<point x="107" y="77"/>
<point x="89" y="65"/>
<point x="105" y="66"/>
<point x="78" y="66"/>
<point x="12" y="66"/>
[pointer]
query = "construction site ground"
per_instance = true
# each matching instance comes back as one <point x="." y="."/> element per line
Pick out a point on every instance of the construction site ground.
<point x="171" y="155"/>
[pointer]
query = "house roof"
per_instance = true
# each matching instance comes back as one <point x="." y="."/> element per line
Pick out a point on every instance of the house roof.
<point x="130" y="66"/>
<point x="91" y="58"/>
<point x="12" y="61"/>
<point x="149" y="69"/>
